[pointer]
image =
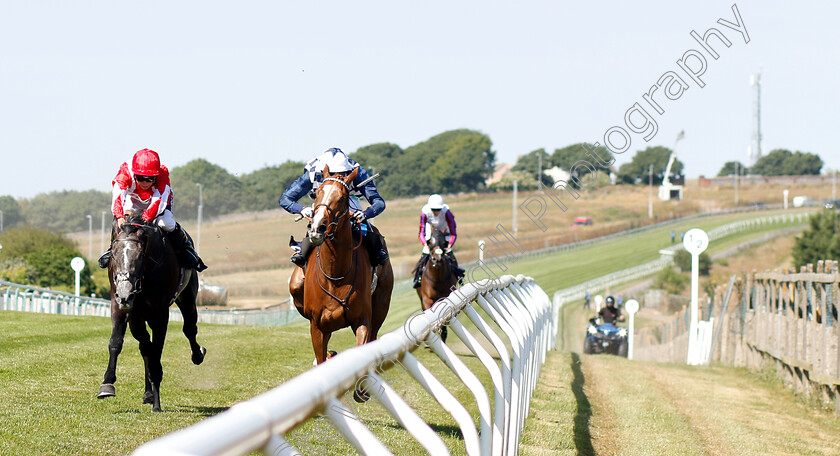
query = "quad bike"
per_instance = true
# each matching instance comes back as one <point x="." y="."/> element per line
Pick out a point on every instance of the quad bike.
<point x="605" y="338"/>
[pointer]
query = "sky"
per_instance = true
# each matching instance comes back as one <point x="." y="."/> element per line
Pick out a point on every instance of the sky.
<point x="249" y="84"/>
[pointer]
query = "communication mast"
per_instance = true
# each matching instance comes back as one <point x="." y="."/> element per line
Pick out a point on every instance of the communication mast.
<point x="755" y="146"/>
<point x="671" y="190"/>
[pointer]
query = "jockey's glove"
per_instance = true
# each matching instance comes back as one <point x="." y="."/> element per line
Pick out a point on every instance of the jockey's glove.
<point x="359" y="216"/>
<point x="307" y="212"/>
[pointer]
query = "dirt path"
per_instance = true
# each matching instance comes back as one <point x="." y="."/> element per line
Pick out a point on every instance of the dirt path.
<point x="647" y="408"/>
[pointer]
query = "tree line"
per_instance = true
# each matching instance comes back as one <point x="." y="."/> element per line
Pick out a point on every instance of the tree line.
<point x="779" y="162"/>
<point x="451" y="162"/>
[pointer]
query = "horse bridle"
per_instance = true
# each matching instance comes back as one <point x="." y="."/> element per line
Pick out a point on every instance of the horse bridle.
<point x="334" y="220"/>
<point x="432" y="261"/>
<point x="330" y="235"/>
<point x="137" y="284"/>
<point x="426" y="270"/>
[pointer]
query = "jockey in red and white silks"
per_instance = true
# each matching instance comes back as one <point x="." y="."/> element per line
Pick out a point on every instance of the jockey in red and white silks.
<point x="154" y="203"/>
<point x="143" y="187"/>
<point x="444" y="221"/>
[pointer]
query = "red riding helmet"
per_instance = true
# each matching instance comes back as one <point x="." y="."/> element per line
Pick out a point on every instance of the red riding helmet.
<point x="145" y="163"/>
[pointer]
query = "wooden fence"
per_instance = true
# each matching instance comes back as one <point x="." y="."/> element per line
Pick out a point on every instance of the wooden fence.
<point x="787" y="320"/>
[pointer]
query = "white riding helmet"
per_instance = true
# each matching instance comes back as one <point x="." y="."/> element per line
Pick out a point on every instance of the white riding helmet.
<point x="435" y="201"/>
<point x="339" y="163"/>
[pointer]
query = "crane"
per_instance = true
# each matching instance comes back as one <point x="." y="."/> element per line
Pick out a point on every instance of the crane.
<point x="669" y="191"/>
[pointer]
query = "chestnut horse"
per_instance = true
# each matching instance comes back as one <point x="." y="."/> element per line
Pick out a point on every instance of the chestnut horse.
<point x="145" y="280"/>
<point x="438" y="279"/>
<point x="335" y="290"/>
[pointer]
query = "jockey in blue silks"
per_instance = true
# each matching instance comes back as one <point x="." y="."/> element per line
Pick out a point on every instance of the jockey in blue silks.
<point x="312" y="178"/>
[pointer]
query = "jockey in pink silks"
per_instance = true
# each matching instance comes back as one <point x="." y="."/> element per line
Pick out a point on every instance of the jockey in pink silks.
<point x="436" y="215"/>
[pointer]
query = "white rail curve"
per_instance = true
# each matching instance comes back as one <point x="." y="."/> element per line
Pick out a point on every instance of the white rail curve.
<point x="517" y="305"/>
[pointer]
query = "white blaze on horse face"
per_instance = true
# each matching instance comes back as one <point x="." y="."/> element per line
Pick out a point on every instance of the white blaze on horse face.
<point x="320" y="212"/>
<point x="438" y="251"/>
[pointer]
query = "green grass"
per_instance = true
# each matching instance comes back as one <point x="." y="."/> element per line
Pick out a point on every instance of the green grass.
<point x="51" y="367"/>
<point x="555" y="272"/>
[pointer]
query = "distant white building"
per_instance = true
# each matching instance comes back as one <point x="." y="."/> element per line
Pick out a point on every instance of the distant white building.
<point x="502" y="169"/>
<point x="557" y="174"/>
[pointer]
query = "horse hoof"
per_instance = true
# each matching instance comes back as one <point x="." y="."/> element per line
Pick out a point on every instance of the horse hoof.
<point x="198" y="358"/>
<point x="106" y="390"/>
<point x="330" y="354"/>
<point x="360" y="395"/>
<point x="148" y="398"/>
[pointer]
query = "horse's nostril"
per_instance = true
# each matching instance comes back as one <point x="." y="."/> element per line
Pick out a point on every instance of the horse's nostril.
<point x="322" y="229"/>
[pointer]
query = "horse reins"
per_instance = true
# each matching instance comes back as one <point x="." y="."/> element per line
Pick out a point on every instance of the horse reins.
<point x="425" y="270"/>
<point x="330" y="235"/>
<point x="137" y="286"/>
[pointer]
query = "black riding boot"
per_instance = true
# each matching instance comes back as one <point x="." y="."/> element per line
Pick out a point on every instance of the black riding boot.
<point x="458" y="271"/>
<point x="373" y="244"/>
<point x="299" y="258"/>
<point x="418" y="269"/>
<point x="105" y="259"/>
<point x="184" y="250"/>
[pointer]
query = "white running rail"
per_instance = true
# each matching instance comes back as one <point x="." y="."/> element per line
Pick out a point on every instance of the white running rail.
<point x="517" y="305"/>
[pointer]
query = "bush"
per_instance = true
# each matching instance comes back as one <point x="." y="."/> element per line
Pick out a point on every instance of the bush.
<point x="38" y="257"/>
<point x="671" y="281"/>
<point x="13" y="270"/>
<point x="683" y="261"/>
<point x="821" y="241"/>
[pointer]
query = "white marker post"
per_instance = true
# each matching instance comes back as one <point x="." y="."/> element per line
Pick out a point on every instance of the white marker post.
<point x="481" y="252"/>
<point x="77" y="263"/>
<point x="598" y="300"/>
<point x="632" y="306"/>
<point x="695" y="242"/>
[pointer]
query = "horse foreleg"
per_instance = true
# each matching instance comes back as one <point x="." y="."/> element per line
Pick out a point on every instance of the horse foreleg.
<point x="320" y="339"/>
<point x="115" y="345"/>
<point x="363" y="332"/>
<point x="150" y="351"/>
<point x="186" y="303"/>
<point x="159" y="328"/>
<point x="138" y="330"/>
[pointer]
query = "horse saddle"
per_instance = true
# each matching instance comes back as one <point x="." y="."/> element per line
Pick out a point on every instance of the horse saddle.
<point x="295" y="245"/>
<point x="184" y="280"/>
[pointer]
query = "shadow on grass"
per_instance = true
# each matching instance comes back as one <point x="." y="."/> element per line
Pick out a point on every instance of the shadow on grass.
<point x="200" y="410"/>
<point x="583" y="439"/>
<point x="441" y="429"/>
<point x="448" y="430"/>
<point x="190" y="409"/>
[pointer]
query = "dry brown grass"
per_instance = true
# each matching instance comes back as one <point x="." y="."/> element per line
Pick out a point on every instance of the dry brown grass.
<point x="248" y="253"/>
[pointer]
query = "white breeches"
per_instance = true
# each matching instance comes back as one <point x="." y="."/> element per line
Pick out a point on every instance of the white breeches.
<point x="166" y="221"/>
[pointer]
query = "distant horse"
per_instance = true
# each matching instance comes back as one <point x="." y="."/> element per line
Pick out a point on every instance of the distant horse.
<point x="438" y="277"/>
<point x="335" y="290"/>
<point x="145" y="280"/>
